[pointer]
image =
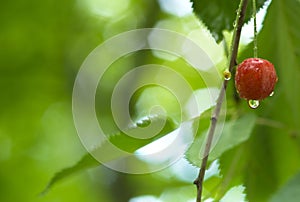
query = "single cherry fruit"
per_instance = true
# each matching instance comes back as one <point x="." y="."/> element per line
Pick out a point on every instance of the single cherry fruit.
<point x="255" y="79"/>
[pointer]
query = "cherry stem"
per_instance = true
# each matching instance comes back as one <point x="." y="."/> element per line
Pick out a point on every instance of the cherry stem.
<point x="239" y="21"/>
<point x="255" y="29"/>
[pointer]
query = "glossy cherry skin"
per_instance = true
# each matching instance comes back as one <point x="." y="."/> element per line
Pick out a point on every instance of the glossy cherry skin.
<point x="255" y="79"/>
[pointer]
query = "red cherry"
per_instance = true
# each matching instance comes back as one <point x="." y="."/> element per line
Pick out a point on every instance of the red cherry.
<point x="255" y="79"/>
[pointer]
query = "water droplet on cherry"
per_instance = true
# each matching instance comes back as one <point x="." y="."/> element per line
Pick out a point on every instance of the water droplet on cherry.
<point x="253" y="103"/>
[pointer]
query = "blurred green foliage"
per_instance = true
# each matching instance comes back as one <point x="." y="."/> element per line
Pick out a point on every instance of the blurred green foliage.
<point x="38" y="42"/>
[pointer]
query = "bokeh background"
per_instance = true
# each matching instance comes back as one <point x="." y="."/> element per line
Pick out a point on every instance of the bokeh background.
<point x="43" y="44"/>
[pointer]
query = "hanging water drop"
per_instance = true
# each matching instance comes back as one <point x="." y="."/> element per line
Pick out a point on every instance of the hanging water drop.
<point x="271" y="94"/>
<point x="144" y="122"/>
<point x="253" y="103"/>
<point x="227" y="75"/>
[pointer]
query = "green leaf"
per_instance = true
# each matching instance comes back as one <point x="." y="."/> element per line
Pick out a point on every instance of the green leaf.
<point x="272" y="149"/>
<point x="232" y="164"/>
<point x="122" y="141"/>
<point x="235" y="194"/>
<point x="130" y="144"/>
<point x="289" y="192"/>
<point x="234" y="133"/>
<point x="87" y="161"/>
<point x="219" y="15"/>
<point x="183" y="193"/>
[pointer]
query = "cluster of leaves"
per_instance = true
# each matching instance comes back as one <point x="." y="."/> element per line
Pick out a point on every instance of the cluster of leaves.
<point x="220" y="15"/>
<point x="258" y="150"/>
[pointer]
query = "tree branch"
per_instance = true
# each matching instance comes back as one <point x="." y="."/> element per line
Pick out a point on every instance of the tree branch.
<point x="232" y="62"/>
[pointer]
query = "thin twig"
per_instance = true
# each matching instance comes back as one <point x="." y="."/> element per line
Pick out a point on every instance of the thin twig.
<point x="255" y="29"/>
<point x="233" y="55"/>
